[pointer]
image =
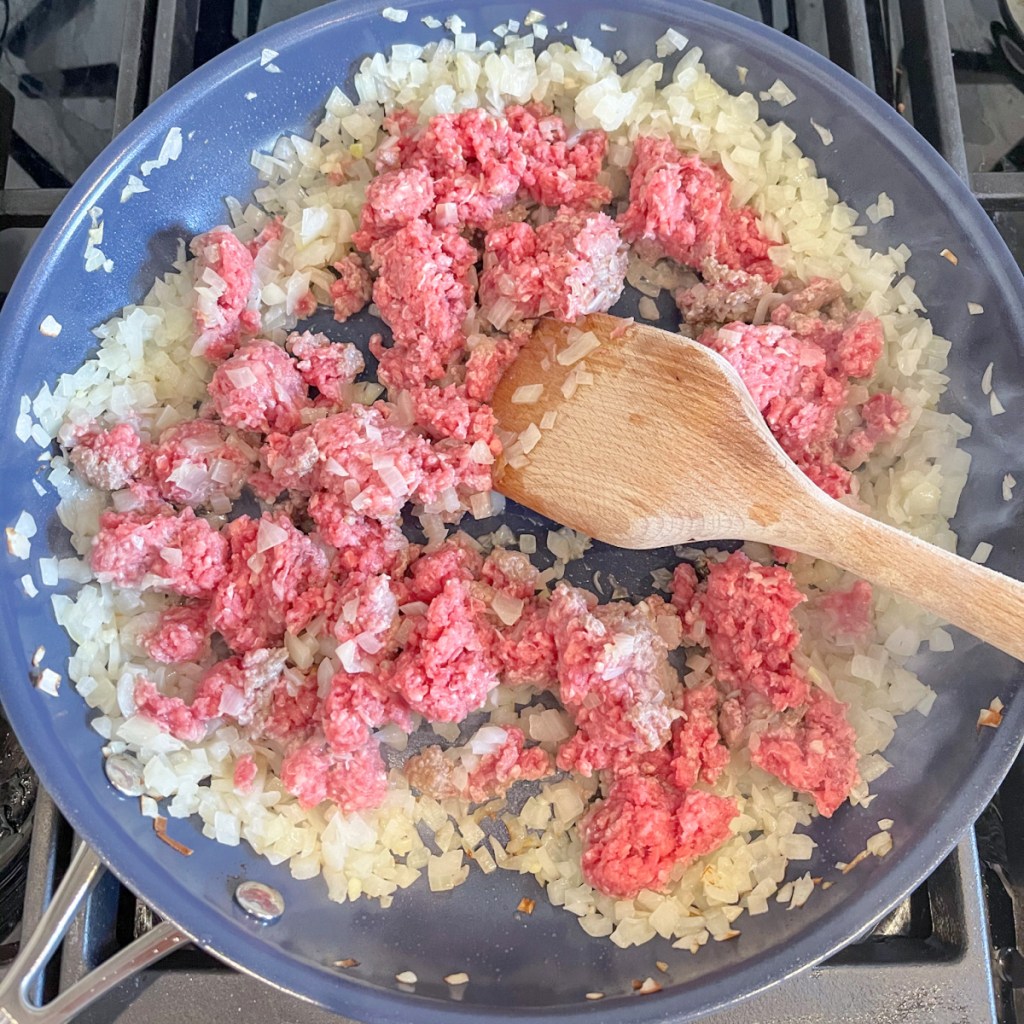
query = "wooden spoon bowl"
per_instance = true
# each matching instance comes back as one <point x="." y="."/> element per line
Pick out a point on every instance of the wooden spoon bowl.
<point x="665" y="446"/>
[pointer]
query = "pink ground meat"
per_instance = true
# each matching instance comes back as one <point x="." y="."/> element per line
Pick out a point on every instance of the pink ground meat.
<point x="110" y="459"/>
<point x="789" y="381"/>
<point x="526" y="651"/>
<point x="183" y="634"/>
<point x="423" y="290"/>
<point x="882" y="415"/>
<point x="251" y="603"/>
<point x="239" y="688"/>
<point x="363" y="545"/>
<point x="487" y="362"/>
<point x="325" y="365"/>
<point x="612" y="671"/>
<point x="568" y="267"/>
<point x="364" y="610"/>
<point x="453" y="560"/>
<point x="679" y="207"/>
<point x="634" y="838"/>
<point x="559" y="173"/>
<point x="450" y="661"/>
<point x="496" y="772"/>
<point x="746" y="612"/>
<point x="177" y="553"/>
<point x="197" y="462"/>
<point x="847" y="613"/>
<point x="172" y="714"/>
<point x="474" y="160"/>
<point x="224" y="265"/>
<point x="355" y="705"/>
<point x="393" y="199"/>
<point x="258" y="387"/>
<point x="354" y="781"/>
<point x="450" y="412"/>
<point x="697" y="748"/>
<point x="511" y="572"/>
<point x="352" y="290"/>
<point x="815" y="754"/>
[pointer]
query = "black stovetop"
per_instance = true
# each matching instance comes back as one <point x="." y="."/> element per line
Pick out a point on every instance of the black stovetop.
<point x="74" y="72"/>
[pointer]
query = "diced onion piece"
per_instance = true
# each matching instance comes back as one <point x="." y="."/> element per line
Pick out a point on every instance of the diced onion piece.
<point x="527" y="394"/>
<point x="529" y="438"/>
<point x="823" y="133"/>
<point x="996" y="407"/>
<point x="50" y="327"/>
<point x="981" y="552"/>
<point x="948" y="254"/>
<point x="508" y="609"/>
<point x="975" y="308"/>
<point x="406" y="978"/>
<point x="459" y="978"/>
<point x="269" y="535"/>
<point x="395" y="14"/>
<point x="581" y="344"/>
<point x="986" y="379"/>
<point x="48" y="681"/>
<point x="648" y="308"/>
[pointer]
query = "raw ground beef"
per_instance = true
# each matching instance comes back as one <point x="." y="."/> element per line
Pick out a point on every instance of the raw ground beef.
<point x="569" y="267"/>
<point x="613" y="677"/>
<point x="745" y="612"/>
<point x="814" y="753"/>
<point x="449" y="663"/>
<point x="110" y="459"/>
<point x="449" y="237"/>
<point x="224" y="268"/>
<point x="497" y="771"/>
<point x="258" y="387"/>
<point x="634" y="838"/>
<point x="352" y="290"/>
<point x="679" y="207"/>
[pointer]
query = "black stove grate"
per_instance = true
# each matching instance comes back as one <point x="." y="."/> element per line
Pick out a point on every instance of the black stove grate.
<point x="931" y="960"/>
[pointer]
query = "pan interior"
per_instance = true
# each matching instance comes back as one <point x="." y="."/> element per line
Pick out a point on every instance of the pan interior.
<point x="944" y="769"/>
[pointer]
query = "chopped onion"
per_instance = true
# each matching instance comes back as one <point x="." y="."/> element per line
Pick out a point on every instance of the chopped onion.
<point x="508" y="609"/>
<point x="581" y="344"/>
<point x="527" y="394"/>
<point x="269" y="535"/>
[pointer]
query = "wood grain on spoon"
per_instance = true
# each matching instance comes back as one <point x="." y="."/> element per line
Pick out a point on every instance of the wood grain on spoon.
<point x="665" y="446"/>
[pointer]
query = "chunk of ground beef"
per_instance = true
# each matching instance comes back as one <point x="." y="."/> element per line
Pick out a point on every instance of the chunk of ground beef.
<point x="354" y="781"/>
<point x="847" y="613"/>
<point x="423" y="290"/>
<point x="174" y="552"/>
<point x="697" y="748"/>
<point x="449" y="663"/>
<point x="182" y="635"/>
<point x="679" y="207"/>
<point x="110" y="459"/>
<point x="199" y="463"/>
<point x="722" y="295"/>
<point x="495" y="772"/>
<point x="258" y="387"/>
<point x="573" y="265"/>
<point x="814" y="753"/>
<point x="613" y="677"/>
<point x="363" y="545"/>
<point x="251" y="603"/>
<point x="352" y="288"/>
<point x="789" y="381"/>
<point x="634" y="838"/>
<point x="224" y="282"/>
<point x="559" y="172"/>
<point x="746" y="611"/>
<point x="393" y="199"/>
<point x="355" y="705"/>
<point x="325" y="365"/>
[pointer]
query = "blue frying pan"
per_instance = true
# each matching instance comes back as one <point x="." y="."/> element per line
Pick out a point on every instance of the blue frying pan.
<point x="539" y="966"/>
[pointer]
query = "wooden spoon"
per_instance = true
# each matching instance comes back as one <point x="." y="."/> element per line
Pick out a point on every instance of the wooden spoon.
<point x="665" y="446"/>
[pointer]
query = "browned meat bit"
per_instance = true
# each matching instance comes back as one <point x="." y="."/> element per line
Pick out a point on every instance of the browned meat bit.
<point x="431" y="773"/>
<point x="821" y="292"/>
<point x="723" y="296"/>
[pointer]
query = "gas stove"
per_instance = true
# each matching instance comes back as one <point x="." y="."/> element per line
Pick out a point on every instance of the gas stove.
<point x="74" y="72"/>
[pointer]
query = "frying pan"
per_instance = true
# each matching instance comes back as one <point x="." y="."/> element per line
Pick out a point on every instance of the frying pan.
<point x="540" y="966"/>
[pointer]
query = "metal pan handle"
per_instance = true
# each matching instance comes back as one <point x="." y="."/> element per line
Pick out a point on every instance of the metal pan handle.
<point x="36" y="951"/>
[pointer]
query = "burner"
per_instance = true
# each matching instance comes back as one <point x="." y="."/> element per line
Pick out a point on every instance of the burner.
<point x="17" y="799"/>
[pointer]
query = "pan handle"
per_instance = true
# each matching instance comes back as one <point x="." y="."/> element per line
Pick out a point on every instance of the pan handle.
<point x="36" y="951"/>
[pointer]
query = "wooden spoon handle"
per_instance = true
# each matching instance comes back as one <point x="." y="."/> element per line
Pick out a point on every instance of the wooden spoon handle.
<point x="981" y="601"/>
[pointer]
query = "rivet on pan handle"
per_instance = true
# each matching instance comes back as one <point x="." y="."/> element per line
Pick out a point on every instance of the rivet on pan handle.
<point x="36" y="951"/>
